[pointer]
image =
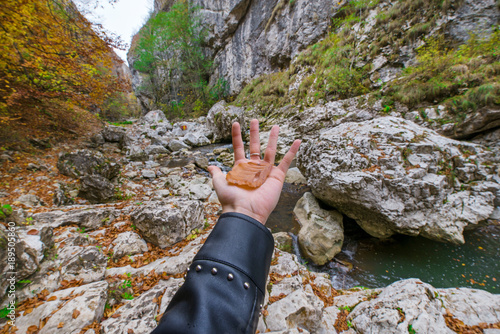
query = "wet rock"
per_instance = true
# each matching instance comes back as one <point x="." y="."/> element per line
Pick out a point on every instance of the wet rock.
<point x="201" y="161"/>
<point x="166" y="223"/>
<point x="96" y="189"/>
<point x="322" y="232"/>
<point x="128" y="243"/>
<point x="139" y="315"/>
<point x="89" y="218"/>
<point x="226" y="158"/>
<point x="393" y="176"/>
<point x="29" y="200"/>
<point x="221" y="117"/>
<point x="88" y="264"/>
<point x="84" y="162"/>
<point x="73" y="309"/>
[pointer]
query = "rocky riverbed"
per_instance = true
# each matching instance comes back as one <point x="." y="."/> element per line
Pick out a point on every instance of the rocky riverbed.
<point x="106" y="228"/>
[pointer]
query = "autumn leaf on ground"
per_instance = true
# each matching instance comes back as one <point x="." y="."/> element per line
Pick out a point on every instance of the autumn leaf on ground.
<point x="33" y="329"/>
<point x="61" y="325"/>
<point x="76" y="313"/>
<point x="52" y="298"/>
<point x="33" y="232"/>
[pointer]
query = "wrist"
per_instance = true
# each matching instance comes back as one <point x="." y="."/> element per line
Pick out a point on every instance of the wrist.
<point x="234" y="208"/>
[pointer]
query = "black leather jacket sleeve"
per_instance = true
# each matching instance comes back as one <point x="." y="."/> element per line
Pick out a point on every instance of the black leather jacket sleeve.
<point x="225" y="284"/>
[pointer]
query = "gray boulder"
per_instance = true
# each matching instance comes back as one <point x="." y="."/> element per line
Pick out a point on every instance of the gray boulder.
<point x="88" y="264"/>
<point x="166" y="223"/>
<point x="116" y="134"/>
<point x="155" y="116"/>
<point x="136" y="153"/>
<point x="393" y="176"/>
<point x="322" y="232"/>
<point x="96" y="189"/>
<point x="84" y="162"/>
<point x="221" y="117"/>
<point x="128" y="243"/>
<point x="196" y="139"/>
<point x="176" y="145"/>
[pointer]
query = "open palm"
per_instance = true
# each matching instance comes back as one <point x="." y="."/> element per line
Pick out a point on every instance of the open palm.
<point x="259" y="202"/>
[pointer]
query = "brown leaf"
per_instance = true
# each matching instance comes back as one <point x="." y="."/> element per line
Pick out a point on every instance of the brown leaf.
<point x="116" y="315"/>
<point x="76" y="313"/>
<point x="33" y="232"/>
<point x="33" y="329"/>
<point x="130" y="331"/>
<point x="61" y="325"/>
<point x="28" y="311"/>
<point x="52" y="298"/>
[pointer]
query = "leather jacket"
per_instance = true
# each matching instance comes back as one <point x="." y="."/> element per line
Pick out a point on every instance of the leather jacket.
<point x="225" y="285"/>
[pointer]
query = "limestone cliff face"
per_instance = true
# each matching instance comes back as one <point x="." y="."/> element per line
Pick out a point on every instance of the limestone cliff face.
<point x="252" y="37"/>
<point x="248" y="38"/>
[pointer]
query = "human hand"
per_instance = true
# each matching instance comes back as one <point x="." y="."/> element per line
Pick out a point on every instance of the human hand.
<point x="257" y="203"/>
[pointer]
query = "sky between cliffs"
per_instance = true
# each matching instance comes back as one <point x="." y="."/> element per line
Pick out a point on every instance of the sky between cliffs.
<point x="124" y="18"/>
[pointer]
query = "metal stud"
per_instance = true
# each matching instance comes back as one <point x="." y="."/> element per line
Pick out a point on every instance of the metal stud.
<point x="189" y="269"/>
<point x="230" y="277"/>
<point x="260" y="306"/>
<point x="198" y="268"/>
<point x="214" y="271"/>
<point x="246" y="285"/>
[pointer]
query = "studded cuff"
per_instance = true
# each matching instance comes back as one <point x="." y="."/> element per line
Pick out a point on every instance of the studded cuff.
<point x="243" y="243"/>
<point x="225" y="286"/>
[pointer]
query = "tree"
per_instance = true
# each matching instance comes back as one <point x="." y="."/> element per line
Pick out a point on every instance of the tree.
<point x="170" y="51"/>
<point x="51" y="57"/>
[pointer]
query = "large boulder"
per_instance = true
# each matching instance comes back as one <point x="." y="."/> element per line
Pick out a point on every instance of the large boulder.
<point x="155" y="116"/>
<point x="87" y="264"/>
<point x="84" y="162"/>
<point x="96" y="189"/>
<point x="393" y="176"/>
<point x="128" y="243"/>
<point x="413" y="304"/>
<point x="116" y="134"/>
<point x="164" y="224"/>
<point x="322" y="232"/>
<point x="221" y="117"/>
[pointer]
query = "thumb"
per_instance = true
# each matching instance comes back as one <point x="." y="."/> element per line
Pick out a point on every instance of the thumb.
<point x="214" y="171"/>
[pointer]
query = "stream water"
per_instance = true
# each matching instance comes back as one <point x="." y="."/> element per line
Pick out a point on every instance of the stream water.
<point x="370" y="262"/>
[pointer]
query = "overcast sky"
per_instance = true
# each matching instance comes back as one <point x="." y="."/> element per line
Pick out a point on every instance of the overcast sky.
<point x="124" y="18"/>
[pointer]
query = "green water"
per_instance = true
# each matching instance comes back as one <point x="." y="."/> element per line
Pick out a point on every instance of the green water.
<point x="376" y="263"/>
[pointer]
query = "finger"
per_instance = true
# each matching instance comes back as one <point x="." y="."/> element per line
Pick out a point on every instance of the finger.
<point x="239" y="149"/>
<point x="287" y="160"/>
<point x="254" y="140"/>
<point x="218" y="178"/>
<point x="271" y="145"/>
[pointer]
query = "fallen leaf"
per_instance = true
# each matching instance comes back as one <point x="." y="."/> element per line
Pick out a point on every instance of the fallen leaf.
<point x="28" y="311"/>
<point x="116" y="315"/>
<point x="130" y="331"/>
<point x="61" y="325"/>
<point x="33" y="329"/>
<point x="52" y="298"/>
<point x="33" y="232"/>
<point x="76" y="313"/>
